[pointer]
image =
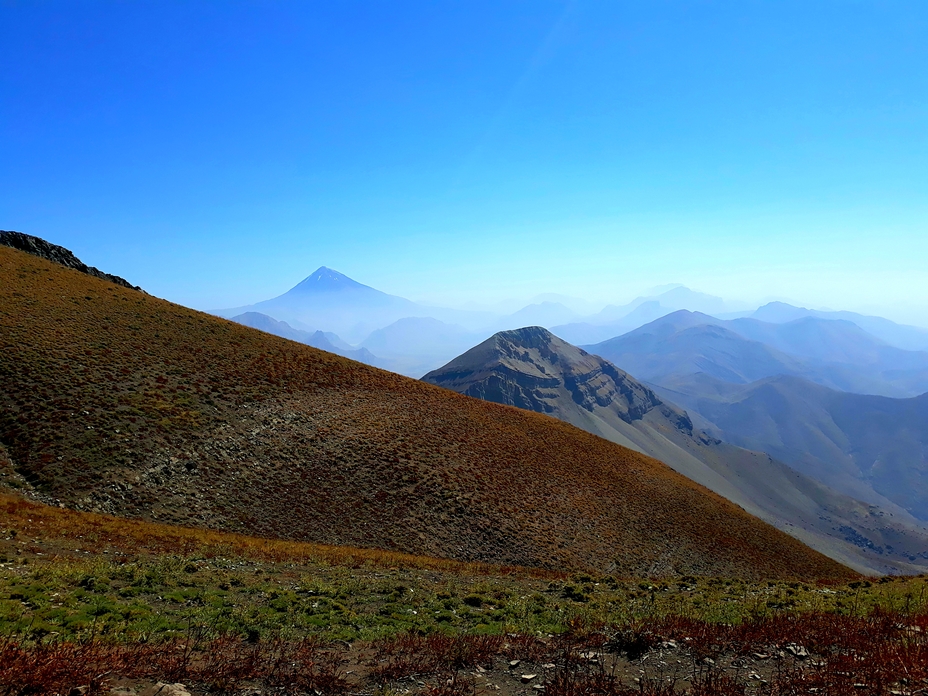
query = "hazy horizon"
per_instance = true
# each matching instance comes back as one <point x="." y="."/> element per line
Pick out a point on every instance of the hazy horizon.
<point x="581" y="305"/>
<point x="217" y="153"/>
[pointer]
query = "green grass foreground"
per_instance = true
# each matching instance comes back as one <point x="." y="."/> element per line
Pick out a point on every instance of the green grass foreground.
<point x="91" y="601"/>
<point x="159" y="597"/>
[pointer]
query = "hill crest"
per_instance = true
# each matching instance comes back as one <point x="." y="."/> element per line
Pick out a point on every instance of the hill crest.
<point x="57" y="254"/>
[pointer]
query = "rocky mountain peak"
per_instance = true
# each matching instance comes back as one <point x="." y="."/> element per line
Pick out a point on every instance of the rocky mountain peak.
<point x="328" y="280"/>
<point x="531" y="368"/>
<point x="527" y="337"/>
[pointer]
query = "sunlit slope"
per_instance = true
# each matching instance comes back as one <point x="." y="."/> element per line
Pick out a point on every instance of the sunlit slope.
<point x="115" y="401"/>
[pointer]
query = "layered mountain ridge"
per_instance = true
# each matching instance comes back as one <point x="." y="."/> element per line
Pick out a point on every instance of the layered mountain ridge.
<point x="318" y="339"/>
<point x="834" y="353"/>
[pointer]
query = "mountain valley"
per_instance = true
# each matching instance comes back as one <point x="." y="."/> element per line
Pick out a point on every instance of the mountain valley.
<point x="870" y="447"/>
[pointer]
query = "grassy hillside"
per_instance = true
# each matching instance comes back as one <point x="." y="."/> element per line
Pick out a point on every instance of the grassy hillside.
<point x="118" y="402"/>
<point x="154" y="568"/>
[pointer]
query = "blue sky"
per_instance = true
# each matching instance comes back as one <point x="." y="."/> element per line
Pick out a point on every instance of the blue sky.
<point x="217" y="153"/>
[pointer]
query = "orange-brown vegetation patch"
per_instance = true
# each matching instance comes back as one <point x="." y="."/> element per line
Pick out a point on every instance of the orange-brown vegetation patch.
<point x="62" y="531"/>
<point x="118" y="402"/>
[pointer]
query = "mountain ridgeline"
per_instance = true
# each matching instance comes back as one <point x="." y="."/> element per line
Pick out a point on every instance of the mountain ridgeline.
<point x="834" y="353"/>
<point x="318" y="339"/>
<point x="115" y="401"/>
<point x="813" y="392"/>
<point x="532" y="369"/>
<point x="58" y="254"/>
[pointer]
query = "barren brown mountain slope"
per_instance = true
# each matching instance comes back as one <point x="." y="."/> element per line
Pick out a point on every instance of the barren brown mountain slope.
<point x="115" y="401"/>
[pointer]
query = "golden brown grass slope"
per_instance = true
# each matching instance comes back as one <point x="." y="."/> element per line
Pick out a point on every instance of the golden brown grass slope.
<point x="114" y="401"/>
<point x="61" y="532"/>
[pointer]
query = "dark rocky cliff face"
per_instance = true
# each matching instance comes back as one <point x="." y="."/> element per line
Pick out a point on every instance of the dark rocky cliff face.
<point x="530" y="368"/>
<point x="52" y="252"/>
<point x="515" y="388"/>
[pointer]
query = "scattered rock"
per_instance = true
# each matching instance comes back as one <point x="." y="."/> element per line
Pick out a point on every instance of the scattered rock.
<point x="526" y="678"/>
<point x="162" y="689"/>
<point x="797" y="651"/>
<point x="514" y="663"/>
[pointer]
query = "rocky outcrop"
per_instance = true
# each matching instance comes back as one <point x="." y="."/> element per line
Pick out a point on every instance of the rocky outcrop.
<point x="52" y="252"/>
<point x="533" y="369"/>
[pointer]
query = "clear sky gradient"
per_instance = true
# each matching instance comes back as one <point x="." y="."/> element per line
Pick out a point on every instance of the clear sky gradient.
<point x="218" y="152"/>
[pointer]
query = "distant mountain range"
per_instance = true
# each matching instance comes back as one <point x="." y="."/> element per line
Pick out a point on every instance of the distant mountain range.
<point x="834" y="353"/>
<point x="899" y="335"/>
<point x="532" y="369"/>
<point x="822" y="407"/>
<point x="322" y="340"/>
<point x="418" y="344"/>
<point x="413" y="338"/>
<point x="615" y="320"/>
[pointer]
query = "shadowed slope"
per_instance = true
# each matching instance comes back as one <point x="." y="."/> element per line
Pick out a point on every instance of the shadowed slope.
<point x="871" y="447"/>
<point x="119" y="402"/>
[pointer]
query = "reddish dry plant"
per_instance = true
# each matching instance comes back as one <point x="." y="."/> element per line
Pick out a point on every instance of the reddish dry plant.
<point x="407" y="656"/>
<point x="220" y="665"/>
<point x="882" y="653"/>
